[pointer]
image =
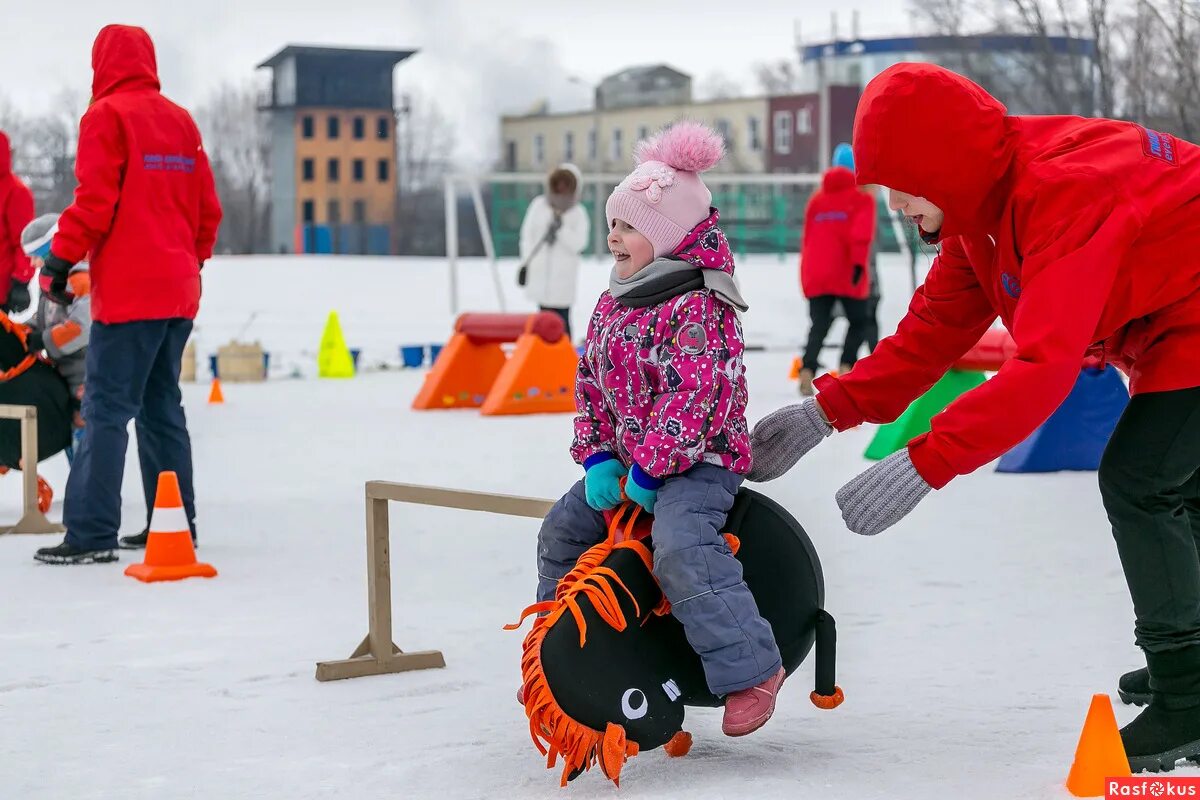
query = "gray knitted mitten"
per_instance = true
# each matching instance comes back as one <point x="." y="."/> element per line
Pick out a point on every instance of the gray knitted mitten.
<point x="880" y="497"/>
<point x="782" y="437"/>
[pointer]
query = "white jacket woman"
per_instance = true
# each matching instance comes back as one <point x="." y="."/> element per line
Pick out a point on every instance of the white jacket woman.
<point x="554" y="266"/>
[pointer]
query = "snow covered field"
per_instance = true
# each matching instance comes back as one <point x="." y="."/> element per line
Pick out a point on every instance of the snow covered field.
<point x="971" y="636"/>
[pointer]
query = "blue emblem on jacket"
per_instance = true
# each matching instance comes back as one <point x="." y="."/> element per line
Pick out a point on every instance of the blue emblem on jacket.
<point x="1011" y="284"/>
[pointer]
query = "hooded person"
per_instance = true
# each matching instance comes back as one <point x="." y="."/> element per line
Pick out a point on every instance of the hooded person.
<point x="16" y="211"/>
<point x="839" y="224"/>
<point x="145" y="215"/>
<point x="1083" y="237"/>
<point x="553" y="234"/>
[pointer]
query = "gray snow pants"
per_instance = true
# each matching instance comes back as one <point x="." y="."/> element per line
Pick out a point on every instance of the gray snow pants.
<point x="693" y="565"/>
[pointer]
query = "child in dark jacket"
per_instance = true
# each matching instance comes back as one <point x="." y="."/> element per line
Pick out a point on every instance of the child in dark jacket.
<point x="661" y="394"/>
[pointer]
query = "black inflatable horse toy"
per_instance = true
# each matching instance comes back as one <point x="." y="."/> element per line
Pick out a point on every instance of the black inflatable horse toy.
<point x="607" y="671"/>
<point x="27" y="380"/>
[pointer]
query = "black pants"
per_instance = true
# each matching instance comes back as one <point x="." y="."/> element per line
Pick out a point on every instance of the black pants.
<point x="565" y="313"/>
<point x="871" y="332"/>
<point x="1150" y="482"/>
<point x="820" y="309"/>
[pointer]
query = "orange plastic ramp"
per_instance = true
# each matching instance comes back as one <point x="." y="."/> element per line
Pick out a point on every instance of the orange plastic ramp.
<point x="462" y="376"/>
<point x="539" y="378"/>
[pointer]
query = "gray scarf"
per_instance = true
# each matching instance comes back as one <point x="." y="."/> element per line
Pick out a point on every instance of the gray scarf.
<point x="665" y="278"/>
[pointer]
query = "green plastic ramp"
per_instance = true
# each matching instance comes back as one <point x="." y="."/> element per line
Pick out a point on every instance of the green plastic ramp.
<point x="915" y="421"/>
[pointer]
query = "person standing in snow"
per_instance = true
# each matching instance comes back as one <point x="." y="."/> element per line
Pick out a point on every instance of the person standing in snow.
<point x="553" y="234"/>
<point x="146" y="210"/>
<point x="16" y="211"/>
<point x="1082" y="236"/>
<point x="839" y="224"/>
<point x="661" y="394"/>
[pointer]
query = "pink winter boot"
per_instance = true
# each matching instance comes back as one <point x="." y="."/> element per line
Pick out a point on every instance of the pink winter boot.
<point x="747" y="710"/>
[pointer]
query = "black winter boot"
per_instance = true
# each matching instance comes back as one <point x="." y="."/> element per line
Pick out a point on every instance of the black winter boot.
<point x="69" y="554"/>
<point x="138" y="541"/>
<point x="1134" y="687"/>
<point x="1169" y="729"/>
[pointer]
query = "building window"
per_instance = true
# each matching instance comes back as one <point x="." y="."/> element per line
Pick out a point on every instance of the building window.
<point x="308" y="169"/>
<point x="783" y="132"/>
<point x="754" y="126"/>
<point x="383" y="128"/>
<point x="593" y="146"/>
<point x="539" y="149"/>
<point x="334" y="212"/>
<point x="617" y="150"/>
<point x="360" y="211"/>
<point x="335" y="127"/>
<point x="307" y="126"/>
<point x="334" y="171"/>
<point x="360" y="128"/>
<point x="510" y="156"/>
<point x="358" y="167"/>
<point x="723" y="128"/>
<point x="643" y="133"/>
<point x="383" y="170"/>
<point x="804" y="121"/>
<point x="569" y="146"/>
<point x="309" y="212"/>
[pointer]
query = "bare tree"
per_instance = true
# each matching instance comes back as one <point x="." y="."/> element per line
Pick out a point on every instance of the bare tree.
<point x="778" y="77"/>
<point x="718" y="86"/>
<point x="238" y="145"/>
<point x="425" y="143"/>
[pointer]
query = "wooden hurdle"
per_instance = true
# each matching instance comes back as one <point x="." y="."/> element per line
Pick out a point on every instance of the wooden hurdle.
<point x="378" y="654"/>
<point x="32" y="518"/>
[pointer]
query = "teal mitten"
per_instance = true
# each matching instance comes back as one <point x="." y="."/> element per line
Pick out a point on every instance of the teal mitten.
<point x="602" y="481"/>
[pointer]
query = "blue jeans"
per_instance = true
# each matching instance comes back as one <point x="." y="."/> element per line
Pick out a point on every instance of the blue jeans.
<point x="132" y="373"/>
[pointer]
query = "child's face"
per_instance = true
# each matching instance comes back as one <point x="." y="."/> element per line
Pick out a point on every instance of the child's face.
<point x="631" y="250"/>
<point x="918" y="209"/>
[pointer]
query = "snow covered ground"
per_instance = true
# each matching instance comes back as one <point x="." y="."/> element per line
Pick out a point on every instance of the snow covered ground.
<point x="971" y="636"/>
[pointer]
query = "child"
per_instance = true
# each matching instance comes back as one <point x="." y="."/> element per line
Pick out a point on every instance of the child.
<point x="553" y="234"/>
<point x="661" y="394"/>
<point x="839" y="223"/>
<point x="61" y="325"/>
<point x="1081" y="234"/>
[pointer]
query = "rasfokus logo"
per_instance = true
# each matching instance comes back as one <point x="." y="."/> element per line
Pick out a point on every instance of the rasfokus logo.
<point x="1151" y="787"/>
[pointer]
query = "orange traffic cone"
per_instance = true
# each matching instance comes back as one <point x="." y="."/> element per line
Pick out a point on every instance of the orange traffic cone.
<point x="170" y="555"/>
<point x="215" y="397"/>
<point x="1100" y="753"/>
<point x="794" y="372"/>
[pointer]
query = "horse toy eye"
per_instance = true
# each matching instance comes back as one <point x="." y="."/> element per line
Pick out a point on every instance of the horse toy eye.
<point x="634" y="704"/>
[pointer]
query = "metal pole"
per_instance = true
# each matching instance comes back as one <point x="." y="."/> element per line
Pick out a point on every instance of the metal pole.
<point x="451" y="239"/>
<point x="485" y="233"/>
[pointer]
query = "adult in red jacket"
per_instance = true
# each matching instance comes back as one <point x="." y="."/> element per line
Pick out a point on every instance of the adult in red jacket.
<point x="146" y="216"/>
<point x="839" y="224"/>
<point x="1083" y="237"/>
<point x="16" y="211"/>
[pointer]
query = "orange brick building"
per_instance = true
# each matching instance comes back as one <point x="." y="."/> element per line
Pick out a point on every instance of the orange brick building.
<point x="333" y="149"/>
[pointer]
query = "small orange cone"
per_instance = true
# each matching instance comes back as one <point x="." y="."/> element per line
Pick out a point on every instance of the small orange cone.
<point x="215" y="397"/>
<point x="794" y="372"/>
<point x="170" y="555"/>
<point x="1100" y="753"/>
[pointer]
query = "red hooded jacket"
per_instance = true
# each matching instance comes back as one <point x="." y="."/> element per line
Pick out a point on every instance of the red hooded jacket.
<point x="16" y="211"/>
<point x="839" y="224"/>
<point x="1082" y="235"/>
<point x="146" y="208"/>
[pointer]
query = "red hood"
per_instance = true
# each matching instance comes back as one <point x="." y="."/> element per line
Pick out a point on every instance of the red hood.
<point x="837" y="179"/>
<point x="925" y="130"/>
<point x="5" y="156"/>
<point x="122" y="58"/>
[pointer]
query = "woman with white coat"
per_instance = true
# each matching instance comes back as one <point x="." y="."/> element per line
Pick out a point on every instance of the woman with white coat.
<point x="553" y="234"/>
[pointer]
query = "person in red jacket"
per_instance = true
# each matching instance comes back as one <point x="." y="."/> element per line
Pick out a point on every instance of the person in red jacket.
<point x="1083" y="237"/>
<point x="146" y="211"/>
<point x="839" y="224"/>
<point x="16" y="211"/>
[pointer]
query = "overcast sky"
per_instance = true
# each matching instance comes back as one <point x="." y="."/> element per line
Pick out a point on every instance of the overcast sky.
<point x="479" y="58"/>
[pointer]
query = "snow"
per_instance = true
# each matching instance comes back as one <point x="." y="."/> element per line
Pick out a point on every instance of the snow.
<point x="972" y="635"/>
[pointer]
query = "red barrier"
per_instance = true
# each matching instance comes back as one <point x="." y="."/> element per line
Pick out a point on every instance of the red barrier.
<point x="994" y="348"/>
<point x="499" y="328"/>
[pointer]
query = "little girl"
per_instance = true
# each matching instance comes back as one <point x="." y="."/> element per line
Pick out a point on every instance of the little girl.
<point x="661" y="395"/>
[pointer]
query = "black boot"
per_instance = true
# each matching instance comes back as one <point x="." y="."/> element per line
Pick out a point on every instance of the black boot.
<point x="1134" y="687"/>
<point x="138" y="541"/>
<point x="69" y="554"/>
<point x="1169" y="729"/>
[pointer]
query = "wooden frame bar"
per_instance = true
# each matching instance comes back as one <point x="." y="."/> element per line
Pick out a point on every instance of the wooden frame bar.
<point x="377" y="654"/>
<point x="32" y="519"/>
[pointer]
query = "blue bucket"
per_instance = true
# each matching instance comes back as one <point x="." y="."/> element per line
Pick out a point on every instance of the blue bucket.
<point x="212" y="365"/>
<point x="412" y="355"/>
<point x="355" y="352"/>
<point x="434" y="350"/>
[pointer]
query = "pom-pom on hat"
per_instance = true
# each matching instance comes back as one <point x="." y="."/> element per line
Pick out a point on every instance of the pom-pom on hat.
<point x="843" y="156"/>
<point x="664" y="197"/>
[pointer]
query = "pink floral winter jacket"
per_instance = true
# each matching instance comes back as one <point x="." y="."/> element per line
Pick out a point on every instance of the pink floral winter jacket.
<point x="664" y="386"/>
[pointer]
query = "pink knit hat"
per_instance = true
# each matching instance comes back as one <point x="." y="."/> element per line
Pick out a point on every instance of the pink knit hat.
<point x="664" y="198"/>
